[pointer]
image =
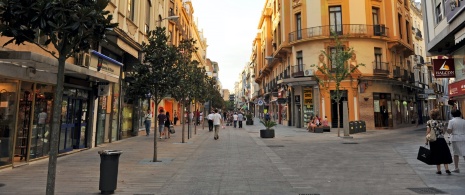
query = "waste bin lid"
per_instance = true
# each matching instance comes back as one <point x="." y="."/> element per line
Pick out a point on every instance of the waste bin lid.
<point x="110" y="152"/>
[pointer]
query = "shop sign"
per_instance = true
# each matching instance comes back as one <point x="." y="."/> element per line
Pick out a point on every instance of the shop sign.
<point x="431" y="96"/>
<point x="456" y="88"/>
<point x="104" y="64"/>
<point x="429" y="91"/>
<point x="297" y="99"/>
<point x="444" y="68"/>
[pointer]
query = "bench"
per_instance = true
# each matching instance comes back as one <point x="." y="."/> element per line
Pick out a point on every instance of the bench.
<point x="322" y="129"/>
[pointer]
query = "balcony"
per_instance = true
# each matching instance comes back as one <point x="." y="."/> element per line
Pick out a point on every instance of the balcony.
<point x="351" y="30"/>
<point x="381" y="68"/>
<point x="418" y="34"/>
<point x="298" y="70"/>
<point x="405" y="75"/>
<point x="411" y="79"/>
<point x="396" y="73"/>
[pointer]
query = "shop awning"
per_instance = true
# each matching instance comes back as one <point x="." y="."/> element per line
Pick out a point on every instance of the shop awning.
<point x="43" y="65"/>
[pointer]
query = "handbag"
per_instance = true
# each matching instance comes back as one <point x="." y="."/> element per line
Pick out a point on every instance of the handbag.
<point x="424" y="155"/>
<point x="172" y="131"/>
<point x="431" y="137"/>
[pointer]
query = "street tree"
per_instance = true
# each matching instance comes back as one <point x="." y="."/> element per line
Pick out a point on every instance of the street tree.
<point x="156" y="75"/>
<point x="183" y="92"/>
<point x="70" y="26"/>
<point x="337" y="71"/>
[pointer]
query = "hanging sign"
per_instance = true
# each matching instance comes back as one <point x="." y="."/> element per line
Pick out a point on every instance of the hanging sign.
<point x="444" y="68"/>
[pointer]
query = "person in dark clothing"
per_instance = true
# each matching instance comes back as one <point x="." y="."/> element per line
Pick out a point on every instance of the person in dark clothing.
<point x="167" y="125"/>
<point x="210" y="121"/>
<point x="267" y="117"/>
<point x="440" y="153"/>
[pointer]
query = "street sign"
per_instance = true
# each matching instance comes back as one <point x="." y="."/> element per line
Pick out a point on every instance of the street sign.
<point x="260" y="102"/>
<point x="429" y="91"/>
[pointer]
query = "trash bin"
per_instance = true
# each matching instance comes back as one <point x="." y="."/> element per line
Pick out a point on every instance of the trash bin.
<point x="351" y="127"/>
<point x="109" y="160"/>
<point x="363" y="126"/>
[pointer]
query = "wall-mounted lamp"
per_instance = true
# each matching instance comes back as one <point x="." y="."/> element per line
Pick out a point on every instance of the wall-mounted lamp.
<point x="366" y="98"/>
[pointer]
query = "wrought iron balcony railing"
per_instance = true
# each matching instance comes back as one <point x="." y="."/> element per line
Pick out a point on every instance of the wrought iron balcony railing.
<point x="381" y="68"/>
<point x="298" y="70"/>
<point x="341" y="29"/>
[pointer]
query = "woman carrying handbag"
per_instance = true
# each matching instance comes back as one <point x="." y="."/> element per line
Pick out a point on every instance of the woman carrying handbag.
<point x="440" y="153"/>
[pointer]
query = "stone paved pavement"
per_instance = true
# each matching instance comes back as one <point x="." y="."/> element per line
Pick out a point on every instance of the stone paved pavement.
<point x="294" y="162"/>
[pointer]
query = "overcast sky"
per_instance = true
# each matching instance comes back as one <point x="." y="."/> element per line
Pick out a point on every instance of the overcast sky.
<point x="230" y="27"/>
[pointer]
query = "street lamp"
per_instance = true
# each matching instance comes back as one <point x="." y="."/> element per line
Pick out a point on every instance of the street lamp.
<point x="172" y="18"/>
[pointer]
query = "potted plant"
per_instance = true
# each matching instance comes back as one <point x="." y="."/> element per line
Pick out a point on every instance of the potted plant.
<point x="268" y="132"/>
<point x="249" y="120"/>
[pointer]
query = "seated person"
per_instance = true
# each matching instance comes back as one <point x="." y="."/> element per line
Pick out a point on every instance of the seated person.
<point x="311" y="125"/>
<point x="325" y="122"/>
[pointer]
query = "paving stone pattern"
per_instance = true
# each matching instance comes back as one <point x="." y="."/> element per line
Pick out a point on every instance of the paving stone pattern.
<point x="240" y="162"/>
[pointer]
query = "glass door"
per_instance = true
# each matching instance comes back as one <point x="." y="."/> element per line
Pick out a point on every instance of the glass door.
<point x="67" y="125"/>
<point x="24" y="122"/>
<point x="8" y="103"/>
<point x="80" y="123"/>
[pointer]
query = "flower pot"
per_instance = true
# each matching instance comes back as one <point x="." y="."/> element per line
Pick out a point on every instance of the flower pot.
<point x="264" y="133"/>
<point x="249" y="122"/>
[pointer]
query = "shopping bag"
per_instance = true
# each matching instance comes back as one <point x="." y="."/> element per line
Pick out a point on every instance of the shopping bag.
<point x="424" y="155"/>
<point x="172" y="131"/>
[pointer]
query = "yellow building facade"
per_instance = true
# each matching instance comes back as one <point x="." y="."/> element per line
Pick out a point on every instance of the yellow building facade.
<point x="291" y="38"/>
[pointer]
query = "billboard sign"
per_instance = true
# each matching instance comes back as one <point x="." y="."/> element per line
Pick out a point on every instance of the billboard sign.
<point x="444" y="68"/>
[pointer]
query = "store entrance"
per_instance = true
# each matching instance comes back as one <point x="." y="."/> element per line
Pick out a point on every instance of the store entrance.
<point x="334" y="108"/>
<point x="73" y="124"/>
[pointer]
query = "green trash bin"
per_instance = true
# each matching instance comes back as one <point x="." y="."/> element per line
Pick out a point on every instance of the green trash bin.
<point x="109" y="161"/>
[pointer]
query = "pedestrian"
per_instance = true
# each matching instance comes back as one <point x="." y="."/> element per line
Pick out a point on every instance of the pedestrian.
<point x="217" y="122"/>
<point x="325" y="122"/>
<point x="201" y="117"/>
<point x="235" y="119"/>
<point x="175" y="119"/>
<point x="191" y="118"/>
<point x="311" y="124"/>
<point x="148" y="122"/>
<point x="210" y="121"/>
<point x="240" y="118"/>
<point x="167" y="126"/>
<point x="161" y="121"/>
<point x="440" y="153"/>
<point x="456" y="127"/>
<point x="317" y="120"/>
<point x="267" y="117"/>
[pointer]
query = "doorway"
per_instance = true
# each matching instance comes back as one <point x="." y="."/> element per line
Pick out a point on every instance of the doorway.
<point x="73" y="124"/>
<point x="334" y="107"/>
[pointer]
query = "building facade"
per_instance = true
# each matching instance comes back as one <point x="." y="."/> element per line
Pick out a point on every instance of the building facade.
<point x="444" y="22"/>
<point x="288" y="48"/>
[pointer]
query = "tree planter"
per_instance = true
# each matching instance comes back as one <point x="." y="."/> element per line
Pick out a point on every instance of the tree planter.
<point x="249" y="122"/>
<point x="267" y="133"/>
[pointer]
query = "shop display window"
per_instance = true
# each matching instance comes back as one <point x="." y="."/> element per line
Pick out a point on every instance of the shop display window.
<point x="8" y="104"/>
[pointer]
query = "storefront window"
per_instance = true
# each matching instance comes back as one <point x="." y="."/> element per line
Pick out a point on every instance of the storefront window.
<point x="308" y="104"/>
<point x="40" y="141"/>
<point x="382" y="109"/>
<point x="115" y="111"/>
<point x="101" y="115"/>
<point x="8" y="91"/>
<point x="144" y="105"/>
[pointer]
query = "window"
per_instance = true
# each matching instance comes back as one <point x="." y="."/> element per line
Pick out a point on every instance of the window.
<point x="378" y="58"/>
<point x="300" y="61"/>
<point x="298" y="20"/>
<point x="333" y="52"/>
<point x="407" y="28"/>
<point x="131" y="5"/>
<point x="375" y="15"/>
<point x="148" y="9"/>
<point x="335" y="19"/>
<point x="399" y="18"/>
<point x="438" y="11"/>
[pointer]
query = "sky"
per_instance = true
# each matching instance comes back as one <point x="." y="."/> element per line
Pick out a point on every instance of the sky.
<point x="229" y="26"/>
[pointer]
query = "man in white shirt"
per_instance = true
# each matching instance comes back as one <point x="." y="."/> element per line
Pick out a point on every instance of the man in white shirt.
<point x="210" y="121"/>
<point x="235" y="119"/>
<point x="217" y="121"/>
<point x="456" y="127"/>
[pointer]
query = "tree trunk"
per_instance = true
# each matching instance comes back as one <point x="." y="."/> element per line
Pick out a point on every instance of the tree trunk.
<point x="196" y="118"/>
<point x="338" y="121"/>
<point x="183" y="121"/>
<point x="155" y="131"/>
<point x="54" y="137"/>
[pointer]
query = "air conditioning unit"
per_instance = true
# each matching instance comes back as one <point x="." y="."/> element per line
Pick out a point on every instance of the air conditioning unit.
<point x="82" y="59"/>
<point x="308" y="72"/>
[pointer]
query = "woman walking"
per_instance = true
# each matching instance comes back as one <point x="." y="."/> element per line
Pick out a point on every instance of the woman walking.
<point x="148" y="122"/>
<point x="167" y="125"/>
<point x="440" y="153"/>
